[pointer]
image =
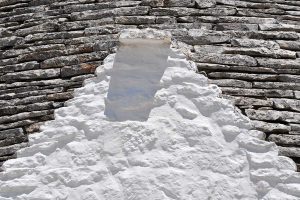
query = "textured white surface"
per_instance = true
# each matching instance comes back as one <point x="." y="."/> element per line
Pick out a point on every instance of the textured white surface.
<point x="189" y="144"/>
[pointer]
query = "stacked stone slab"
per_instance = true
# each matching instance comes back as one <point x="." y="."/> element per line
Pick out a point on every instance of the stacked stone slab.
<point x="250" y="48"/>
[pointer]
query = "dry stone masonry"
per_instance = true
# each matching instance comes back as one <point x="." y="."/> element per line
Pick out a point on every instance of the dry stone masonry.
<point x="250" y="48"/>
<point x="150" y="139"/>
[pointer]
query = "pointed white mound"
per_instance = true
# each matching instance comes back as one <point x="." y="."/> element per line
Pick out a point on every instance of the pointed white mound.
<point x="148" y="128"/>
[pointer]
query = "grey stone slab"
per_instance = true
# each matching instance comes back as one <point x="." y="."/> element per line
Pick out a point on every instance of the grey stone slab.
<point x="273" y="115"/>
<point x="289" y="151"/>
<point x="11" y="133"/>
<point x="285" y="139"/>
<point x="266" y="127"/>
<point x="253" y="92"/>
<point x="31" y="75"/>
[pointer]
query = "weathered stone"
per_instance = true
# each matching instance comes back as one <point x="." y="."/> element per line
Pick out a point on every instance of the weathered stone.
<point x="205" y="3"/>
<point x="289" y="78"/>
<point x="51" y="82"/>
<point x="24" y="115"/>
<point x="236" y="26"/>
<point x="278" y="63"/>
<point x="19" y="90"/>
<point x="249" y="102"/>
<point x="208" y="49"/>
<point x="244" y="76"/>
<point x="272" y="115"/>
<point x="247" y="20"/>
<point x="271" y="127"/>
<point x="40" y="55"/>
<point x="5" y="33"/>
<point x="252" y="43"/>
<point x="257" y="92"/>
<point x="4" y="158"/>
<point x="25" y="66"/>
<point x="77" y="25"/>
<point x="31" y="93"/>
<point x="261" y="52"/>
<point x="288" y="71"/>
<point x="97" y="6"/>
<point x="9" y="41"/>
<point x="52" y="36"/>
<point x="109" y="29"/>
<point x="245" y="4"/>
<point x="165" y="20"/>
<point x="16" y="124"/>
<point x="169" y="3"/>
<point x="286" y="104"/>
<point x="6" y="69"/>
<point x="60" y="61"/>
<point x="297" y="94"/>
<point x="218" y="67"/>
<point x="87" y="15"/>
<point x="11" y="133"/>
<point x="295" y="127"/>
<point x="285" y="139"/>
<point x="180" y="11"/>
<point x="9" y="61"/>
<point x="11" y="149"/>
<point x="73" y="59"/>
<point x="295" y="46"/>
<point x="46" y="27"/>
<point x="26" y="100"/>
<point x="276" y="85"/>
<point x="274" y="35"/>
<point x="260" y="12"/>
<point x="135" y="20"/>
<point x="153" y="3"/>
<point x="83" y="68"/>
<point x="81" y="78"/>
<point x="31" y="74"/>
<point x="33" y="127"/>
<point x="47" y="47"/>
<point x="217" y="11"/>
<point x="231" y="83"/>
<point x="225" y="59"/>
<point x="279" y="27"/>
<point x="11" y="110"/>
<point x="289" y="151"/>
<point x="196" y="37"/>
<point x="60" y="96"/>
<point x="13" y="53"/>
<point x="13" y="140"/>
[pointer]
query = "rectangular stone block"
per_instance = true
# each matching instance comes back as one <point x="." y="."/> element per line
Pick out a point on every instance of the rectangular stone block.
<point x="272" y="115"/>
<point x="276" y="85"/>
<point x="231" y="83"/>
<point x="289" y="151"/>
<point x="11" y="133"/>
<point x="31" y="74"/>
<point x="257" y="92"/>
<point x="135" y="20"/>
<point x="285" y="139"/>
<point x="11" y="149"/>
<point x="244" y="76"/>
<point x="279" y="63"/>
<point x="275" y="128"/>
<point x="225" y="59"/>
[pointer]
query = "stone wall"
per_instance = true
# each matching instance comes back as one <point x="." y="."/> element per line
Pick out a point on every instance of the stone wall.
<point x="250" y="48"/>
